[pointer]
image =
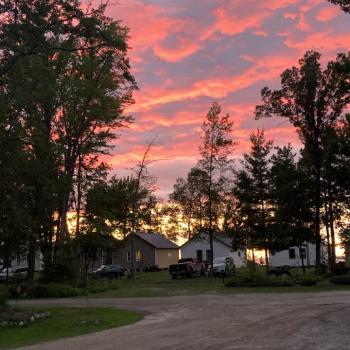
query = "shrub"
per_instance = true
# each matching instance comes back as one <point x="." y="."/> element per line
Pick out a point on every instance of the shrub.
<point x="3" y="297"/>
<point x="308" y="280"/>
<point x="54" y="290"/>
<point x="281" y="282"/>
<point x="102" y="286"/>
<point x="342" y="279"/>
<point x="247" y="278"/>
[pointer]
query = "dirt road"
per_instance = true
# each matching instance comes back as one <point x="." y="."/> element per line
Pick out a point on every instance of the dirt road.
<point x="253" y="321"/>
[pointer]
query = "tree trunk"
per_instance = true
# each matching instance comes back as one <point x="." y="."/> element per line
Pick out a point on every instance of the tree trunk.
<point x="317" y="214"/>
<point x="329" y="249"/>
<point x="31" y="260"/>
<point x="79" y="197"/>
<point x="302" y="258"/>
<point x="266" y="260"/>
<point x="331" y="222"/>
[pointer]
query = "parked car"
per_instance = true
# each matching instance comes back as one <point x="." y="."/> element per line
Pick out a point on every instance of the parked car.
<point x="187" y="268"/>
<point x="109" y="271"/>
<point x="151" y="268"/>
<point x="223" y="266"/>
<point x="18" y="274"/>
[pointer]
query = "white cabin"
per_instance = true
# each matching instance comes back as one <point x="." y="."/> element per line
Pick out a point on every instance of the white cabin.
<point x="199" y="247"/>
<point x="293" y="256"/>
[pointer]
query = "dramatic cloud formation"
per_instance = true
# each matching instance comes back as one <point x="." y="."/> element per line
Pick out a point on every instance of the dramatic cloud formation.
<point x="185" y="54"/>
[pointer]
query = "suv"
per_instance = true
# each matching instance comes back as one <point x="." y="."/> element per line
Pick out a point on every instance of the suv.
<point x="223" y="266"/>
<point x="109" y="271"/>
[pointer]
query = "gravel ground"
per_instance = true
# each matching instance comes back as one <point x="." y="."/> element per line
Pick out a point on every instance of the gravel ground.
<point x="252" y="321"/>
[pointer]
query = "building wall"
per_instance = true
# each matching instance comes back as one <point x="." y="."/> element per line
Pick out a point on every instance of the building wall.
<point x="147" y="254"/>
<point x="21" y="261"/>
<point x="282" y="258"/>
<point x="189" y="250"/>
<point x="166" y="257"/>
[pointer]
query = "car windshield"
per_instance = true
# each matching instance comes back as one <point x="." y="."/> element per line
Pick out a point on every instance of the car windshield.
<point x="219" y="260"/>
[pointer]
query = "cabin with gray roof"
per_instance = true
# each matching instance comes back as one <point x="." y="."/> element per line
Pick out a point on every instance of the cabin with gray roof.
<point x="198" y="247"/>
<point x="149" y="249"/>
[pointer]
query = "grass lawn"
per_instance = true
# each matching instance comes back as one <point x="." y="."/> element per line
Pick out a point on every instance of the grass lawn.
<point x="154" y="284"/>
<point x="64" y="322"/>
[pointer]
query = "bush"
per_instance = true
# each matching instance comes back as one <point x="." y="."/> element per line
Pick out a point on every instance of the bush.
<point x="54" y="290"/>
<point x="308" y="280"/>
<point x="101" y="286"/>
<point x="257" y="279"/>
<point x="281" y="282"/>
<point x="3" y="297"/>
<point x="342" y="279"/>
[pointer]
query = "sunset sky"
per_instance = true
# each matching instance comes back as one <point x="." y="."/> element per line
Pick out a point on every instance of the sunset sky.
<point x="187" y="53"/>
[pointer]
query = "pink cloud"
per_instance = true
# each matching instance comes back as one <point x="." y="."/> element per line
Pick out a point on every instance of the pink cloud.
<point x="327" y="14"/>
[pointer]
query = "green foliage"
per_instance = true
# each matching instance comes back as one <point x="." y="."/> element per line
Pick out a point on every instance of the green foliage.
<point x="65" y="267"/>
<point x="341" y="279"/>
<point x="64" y="323"/>
<point x="308" y="280"/>
<point x="3" y="297"/>
<point x="102" y="285"/>
<point x="65" y="81"/>
<point x="252" y="191"/>
<point x="315" y="115"/>
<point x="249" y="278"/>
<point x="190" y="196"/>
<point x="54" y="290"/>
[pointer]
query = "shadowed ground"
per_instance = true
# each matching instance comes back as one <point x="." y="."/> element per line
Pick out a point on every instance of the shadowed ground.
<point x="252" y="321"/>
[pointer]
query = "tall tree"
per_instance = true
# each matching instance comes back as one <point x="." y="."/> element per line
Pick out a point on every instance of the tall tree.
<point x="291" y="202"/>
<point x="252" y="190"/>
<point x="68" y="76"/>
<point x="313" y="100"/>
<point x="190" y="195"/>
<point x="217" y="145"/>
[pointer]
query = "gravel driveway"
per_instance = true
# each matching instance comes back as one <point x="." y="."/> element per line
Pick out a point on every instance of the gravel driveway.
<point x="250" y="321"/>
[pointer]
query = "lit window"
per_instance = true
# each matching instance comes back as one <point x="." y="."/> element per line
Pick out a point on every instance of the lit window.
<point x="138" y="255"/>
<point x="169" y="255"/>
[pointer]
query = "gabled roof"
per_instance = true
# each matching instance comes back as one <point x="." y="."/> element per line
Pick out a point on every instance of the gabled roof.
<point x="225" y="240"/>
<point x="157" y="240"/>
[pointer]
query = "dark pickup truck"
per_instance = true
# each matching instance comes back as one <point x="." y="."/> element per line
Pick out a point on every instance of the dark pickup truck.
<point x="187" y="268"/>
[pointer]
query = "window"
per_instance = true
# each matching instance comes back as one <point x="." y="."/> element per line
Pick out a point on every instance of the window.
<point x="291" y="253"/>
<point x="169" y="255"/>
<point x="208" y="254"/>
<point x="199" y="255"/>
<point x="138" y="255"/>
<point x="302" y="253"/>
<point x="128" y="256"/>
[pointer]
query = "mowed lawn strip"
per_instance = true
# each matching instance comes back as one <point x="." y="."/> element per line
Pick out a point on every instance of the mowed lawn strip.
<point x="66" y="322"/>
<point x="159" y="284"/>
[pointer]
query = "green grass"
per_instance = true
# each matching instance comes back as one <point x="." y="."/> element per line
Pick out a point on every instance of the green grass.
<point x="159" y="284"/>
<point x="64" y="322"/>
